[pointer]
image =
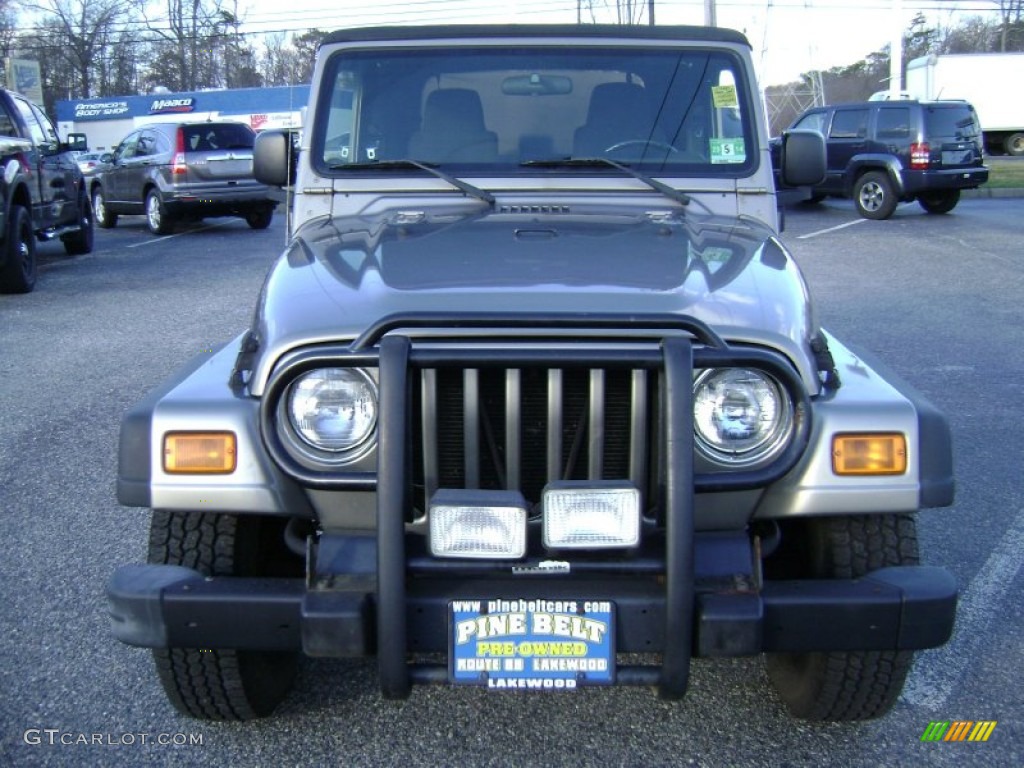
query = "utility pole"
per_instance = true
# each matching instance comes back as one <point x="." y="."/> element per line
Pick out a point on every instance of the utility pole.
<point x="896" y="51"/>
<point x="709" y="14"/>
<point x="650" y="12"/>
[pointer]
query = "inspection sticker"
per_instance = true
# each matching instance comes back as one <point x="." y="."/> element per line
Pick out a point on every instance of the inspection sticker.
<point x="728" y="151"/>
<point x="532" y="644"/>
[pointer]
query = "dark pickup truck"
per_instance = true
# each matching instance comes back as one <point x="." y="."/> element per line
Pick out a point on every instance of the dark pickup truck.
<point x="42" y="194"/>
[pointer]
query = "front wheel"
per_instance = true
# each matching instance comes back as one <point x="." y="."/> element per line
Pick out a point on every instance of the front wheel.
<point x="223" y="684"/>
<point x="104" y="217"/>
<point x="845" y="685"/>
<point x="874" y="196"/>
<point x="157" y="220"/>
<point x="939" y="201"/>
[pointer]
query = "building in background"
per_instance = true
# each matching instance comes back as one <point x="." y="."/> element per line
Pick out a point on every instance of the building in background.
<point x="105" y="121"/>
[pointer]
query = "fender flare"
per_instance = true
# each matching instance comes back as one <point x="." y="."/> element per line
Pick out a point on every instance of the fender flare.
<point x="13" y="191"/>
<point x="861" y="164"/>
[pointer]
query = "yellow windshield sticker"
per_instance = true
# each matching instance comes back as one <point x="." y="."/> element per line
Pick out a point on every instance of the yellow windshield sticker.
<point x="724" y="96"/>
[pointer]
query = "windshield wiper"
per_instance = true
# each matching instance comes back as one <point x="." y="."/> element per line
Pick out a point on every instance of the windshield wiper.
<point x="583" y="162"/>
<point x="465" y="187"/>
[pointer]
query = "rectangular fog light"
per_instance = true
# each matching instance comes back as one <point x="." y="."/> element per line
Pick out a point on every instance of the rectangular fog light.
<point x="478" y="524"/>
<point x="591" y="515"/>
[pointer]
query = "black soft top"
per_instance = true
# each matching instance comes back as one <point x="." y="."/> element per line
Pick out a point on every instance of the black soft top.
<point x="460" y="31"/>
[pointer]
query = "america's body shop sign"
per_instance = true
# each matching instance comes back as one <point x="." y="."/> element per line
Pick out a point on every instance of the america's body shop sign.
<point x="532" y="644"/>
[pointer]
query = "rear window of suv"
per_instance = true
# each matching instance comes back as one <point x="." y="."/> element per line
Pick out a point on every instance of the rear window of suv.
<point x="952" y="122"/>
<point x="207" y="137"/>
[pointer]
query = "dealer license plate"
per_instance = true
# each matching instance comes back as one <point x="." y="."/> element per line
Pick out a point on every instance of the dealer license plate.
<point x="532" y="644"/>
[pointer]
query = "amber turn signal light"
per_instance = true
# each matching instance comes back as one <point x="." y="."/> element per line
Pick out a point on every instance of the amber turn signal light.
<point x="869" y="454"/>
<point x="200" y="453"/>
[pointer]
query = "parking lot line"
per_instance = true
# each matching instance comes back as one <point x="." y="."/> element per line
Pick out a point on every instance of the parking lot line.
<point x="179" y="234"/>
<point x="938" y="673"/>
<point x="809" y="235"/>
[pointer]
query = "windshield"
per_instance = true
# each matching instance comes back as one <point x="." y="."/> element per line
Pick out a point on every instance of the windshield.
<point x="486" y="110"/>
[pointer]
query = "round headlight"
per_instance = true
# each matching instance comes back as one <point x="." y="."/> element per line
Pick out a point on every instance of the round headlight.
<point x="333" y="409"/>
<point x="740" y="416"/>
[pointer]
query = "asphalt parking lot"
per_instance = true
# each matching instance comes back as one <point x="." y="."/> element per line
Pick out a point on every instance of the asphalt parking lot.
<point x="938" y="298"/>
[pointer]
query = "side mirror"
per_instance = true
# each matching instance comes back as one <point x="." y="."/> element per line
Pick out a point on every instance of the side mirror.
<point x="78" y="142"/>
<point x="802" y="159"/>
<point x="273" y="159"/>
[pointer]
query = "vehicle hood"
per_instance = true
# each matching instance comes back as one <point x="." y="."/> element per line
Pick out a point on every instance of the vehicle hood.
<point x="340" y="275"/>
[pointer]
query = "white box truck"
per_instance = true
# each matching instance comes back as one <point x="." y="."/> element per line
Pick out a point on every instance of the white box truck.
<point x="988" y="81"/>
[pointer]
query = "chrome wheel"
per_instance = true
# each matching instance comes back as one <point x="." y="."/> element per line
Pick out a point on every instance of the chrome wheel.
<point x="157" y="220"/>
<point x="874" y="195"/>
<point x="102" y="215"/>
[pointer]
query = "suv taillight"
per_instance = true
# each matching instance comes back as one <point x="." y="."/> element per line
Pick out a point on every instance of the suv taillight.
<point x="920" y="156"/>
<point x="178" y="165"/>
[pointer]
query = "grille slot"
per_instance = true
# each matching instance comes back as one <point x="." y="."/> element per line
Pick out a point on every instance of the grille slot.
<point x="519" y="429"/>
<point x="535" y="208"/>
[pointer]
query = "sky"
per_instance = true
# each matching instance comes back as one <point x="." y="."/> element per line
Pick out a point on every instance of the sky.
<point x="789" y="37"/>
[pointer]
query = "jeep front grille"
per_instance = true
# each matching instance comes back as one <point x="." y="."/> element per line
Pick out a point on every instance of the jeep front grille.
<point x="519" y="429"/>
<point x="493" y="415"/>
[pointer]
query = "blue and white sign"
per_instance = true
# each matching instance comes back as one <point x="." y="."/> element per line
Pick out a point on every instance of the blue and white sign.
<point x="532" y="644"/>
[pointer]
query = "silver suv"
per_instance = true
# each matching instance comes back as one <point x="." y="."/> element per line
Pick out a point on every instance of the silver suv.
<point x="174" y="171"/>
<point x="534" y="399"/>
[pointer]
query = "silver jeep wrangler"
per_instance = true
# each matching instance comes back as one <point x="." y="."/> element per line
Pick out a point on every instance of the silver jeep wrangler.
<point x="534" y="399"/>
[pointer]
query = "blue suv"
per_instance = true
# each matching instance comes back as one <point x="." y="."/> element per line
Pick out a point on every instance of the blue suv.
<point x="881" y="153"/>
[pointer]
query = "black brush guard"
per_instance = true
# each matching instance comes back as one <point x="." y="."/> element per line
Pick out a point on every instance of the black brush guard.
<point x="677" y="596"/>
<point x="675" y="359"/>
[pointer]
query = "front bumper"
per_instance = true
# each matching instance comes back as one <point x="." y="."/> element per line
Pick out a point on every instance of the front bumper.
<point x="165" y="606"/>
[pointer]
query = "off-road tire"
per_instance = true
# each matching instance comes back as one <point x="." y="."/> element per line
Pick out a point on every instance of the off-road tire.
<point x="260" y="219"/>
<point x="218" y="684"/>
<point x="939" y="201"/>
<point x="874" y="195"/>
<point x="103" y="216"/>
<point x="847" y="685"/>
<point x="20" y="269"/>
<point x="158" y="220"/>
<point x="80" y="243"/>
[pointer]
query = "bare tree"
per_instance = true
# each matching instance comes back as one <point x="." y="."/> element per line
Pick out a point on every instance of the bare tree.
<point x="1010" y="12"/>
<point x="84" y="26"/>
<point x="274" y="61"/>
<point x="973" y="35"/>
<point x="8" y="30"/>
<point x="45" y="44"/>
<point x="305" y="46"/>
<point x="1011" y="25"/>
<point x="623" y="11"/>
<point x="185" y="30"/>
